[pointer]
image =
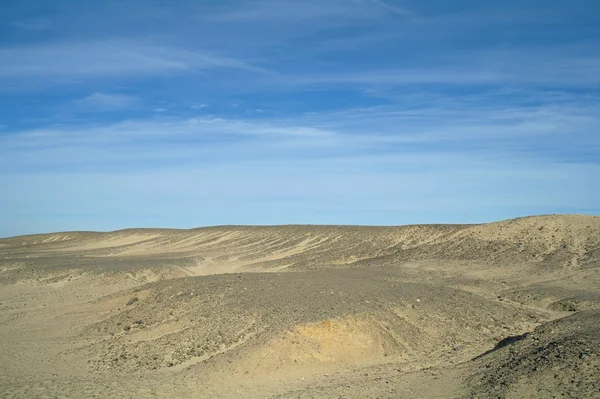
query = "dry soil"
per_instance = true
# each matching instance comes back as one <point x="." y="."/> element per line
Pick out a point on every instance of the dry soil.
<point x="508" y="309"/>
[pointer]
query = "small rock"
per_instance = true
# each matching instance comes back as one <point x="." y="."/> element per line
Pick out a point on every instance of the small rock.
<point x="132" y="301"/>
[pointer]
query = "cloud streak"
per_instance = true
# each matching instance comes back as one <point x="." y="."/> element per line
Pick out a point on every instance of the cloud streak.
<point x="68" y="61"/>
<point x="534" y="134"/>
<point x="102" y="102"/>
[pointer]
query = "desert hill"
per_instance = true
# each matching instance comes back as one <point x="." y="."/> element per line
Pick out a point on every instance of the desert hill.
<point x="492" y="310"/>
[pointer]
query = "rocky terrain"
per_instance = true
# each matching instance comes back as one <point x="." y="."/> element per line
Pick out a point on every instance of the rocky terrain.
<point x="508" y="309"/>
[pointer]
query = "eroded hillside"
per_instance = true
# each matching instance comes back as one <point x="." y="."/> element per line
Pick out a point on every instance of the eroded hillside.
<point x="304" y="311"/>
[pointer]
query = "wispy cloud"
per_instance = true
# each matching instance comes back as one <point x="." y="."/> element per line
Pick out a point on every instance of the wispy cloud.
<point x="100" y="102"/>
<point x="392" y="8"/>
<point x="107" y="58"/>
<point x="532" y="134"/>
<point x="503" y="66"/>
<point x="33" y="24"/>
<point x="296" y="11"/>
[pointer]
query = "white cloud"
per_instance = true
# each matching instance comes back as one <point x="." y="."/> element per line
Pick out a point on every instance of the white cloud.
<point x="537" y="134"/>
<point x="99" y="102"/>
<point x="200" y="106"/>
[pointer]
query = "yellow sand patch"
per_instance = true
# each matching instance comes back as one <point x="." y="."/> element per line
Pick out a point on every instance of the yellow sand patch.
<point x="316" y="347"/>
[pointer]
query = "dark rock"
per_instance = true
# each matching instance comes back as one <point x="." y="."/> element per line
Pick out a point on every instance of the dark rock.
<point x="132" y="301"/>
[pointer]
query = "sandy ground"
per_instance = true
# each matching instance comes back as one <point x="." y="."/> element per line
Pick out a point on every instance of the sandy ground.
<point x="508" y="309"/>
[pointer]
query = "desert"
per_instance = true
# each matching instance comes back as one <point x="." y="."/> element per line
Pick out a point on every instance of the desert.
<point x="506" y="309"/>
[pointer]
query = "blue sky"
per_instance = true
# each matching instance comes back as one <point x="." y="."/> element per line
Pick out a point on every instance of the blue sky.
<point x="188" y="113"/>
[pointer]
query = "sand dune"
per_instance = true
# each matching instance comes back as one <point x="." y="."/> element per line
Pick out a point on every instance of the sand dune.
<point x="506" y="309"/>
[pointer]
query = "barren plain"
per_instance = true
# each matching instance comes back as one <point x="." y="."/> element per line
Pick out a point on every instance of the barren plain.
<point x="508" y="309"/>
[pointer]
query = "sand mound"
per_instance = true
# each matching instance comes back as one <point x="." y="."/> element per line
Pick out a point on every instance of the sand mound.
<point x="310" y="349"/>
<point x="324" y="318"/>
